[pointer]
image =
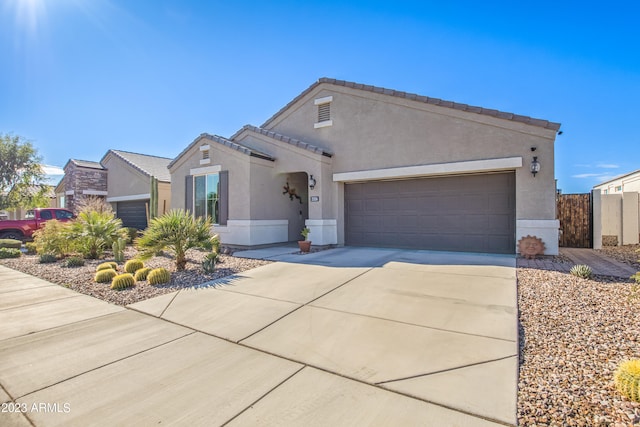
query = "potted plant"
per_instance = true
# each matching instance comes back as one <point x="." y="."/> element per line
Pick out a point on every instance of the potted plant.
<point x="305" y="245"/>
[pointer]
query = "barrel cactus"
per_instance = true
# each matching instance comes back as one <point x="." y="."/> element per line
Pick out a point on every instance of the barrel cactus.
<point x="142" y="274"/>
<point x="158" y="276"/>
<point x="133" y="265"/>
<point x="123" y="281"/>
<point x="105" y="276"/>
<point x="581" y="270"/>
<point x="107" y="265"/>
<point x="627" y="379"/>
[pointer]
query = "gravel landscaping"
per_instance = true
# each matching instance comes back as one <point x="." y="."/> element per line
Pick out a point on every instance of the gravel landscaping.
<point x="573" y="334"/>
<point x="80" y="279"/>
<point x="628" y="254"/>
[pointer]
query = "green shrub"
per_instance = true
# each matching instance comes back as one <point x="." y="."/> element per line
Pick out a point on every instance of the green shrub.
<point x="105" y="276"/>
<point x="142" y="274"/>
<point x="627" y="379"/>
<point x="176" y="231"/>
<point x="53" y="238"/>
<point x="31" y="248"/>
<point x="132" y="233"/>
<point x="47" y="258"/>
<point x="95" y="231"/>
<point x="123" y="281"/>
<point x="107" y="265"/>
<point x="158" y="276"/>
<point x="10" y="243"/>
<point x="10" y="253"/>
<point x="209" y="263"/>
<point x="581" y="270"/>
<point x="74" y="261"/>
<point x="133" y="265"/>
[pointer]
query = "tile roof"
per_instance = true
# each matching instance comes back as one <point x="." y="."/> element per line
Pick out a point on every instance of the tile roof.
<point x="85" y="164"/>
<point x="419" y="98"/>
<point x="149" y="165"/>
<point x="227" y="143"/>
<point x="286" y="139"/>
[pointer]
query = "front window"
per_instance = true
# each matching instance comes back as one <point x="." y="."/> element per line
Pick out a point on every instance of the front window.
<point x="206" y="197"/>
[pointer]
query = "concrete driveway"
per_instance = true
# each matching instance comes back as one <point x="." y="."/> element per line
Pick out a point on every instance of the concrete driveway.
<point x="341" y="337"/>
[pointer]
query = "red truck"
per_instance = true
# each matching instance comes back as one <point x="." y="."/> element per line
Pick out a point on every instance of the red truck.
<point x="22" y="229"/>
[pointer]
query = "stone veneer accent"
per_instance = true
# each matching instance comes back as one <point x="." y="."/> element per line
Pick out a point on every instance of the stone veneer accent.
<point x="79" y="179"/>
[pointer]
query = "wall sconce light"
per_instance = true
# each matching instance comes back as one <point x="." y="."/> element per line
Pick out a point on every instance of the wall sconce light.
<point x="312" y="182"/>
<point x="535" y="166"/>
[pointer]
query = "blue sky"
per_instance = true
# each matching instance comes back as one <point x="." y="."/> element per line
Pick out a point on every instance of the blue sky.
<point x="79" y="77"/>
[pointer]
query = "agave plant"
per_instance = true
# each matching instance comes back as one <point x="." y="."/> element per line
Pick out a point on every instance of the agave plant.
<point x="176" y="231"/>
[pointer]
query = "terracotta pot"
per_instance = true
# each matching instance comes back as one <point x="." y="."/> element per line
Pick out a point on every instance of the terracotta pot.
<point x="305" y="245"/>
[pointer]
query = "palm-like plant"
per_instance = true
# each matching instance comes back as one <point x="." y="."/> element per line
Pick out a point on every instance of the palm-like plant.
<point x="176" y="231"/>
<point x="96" y="231"/>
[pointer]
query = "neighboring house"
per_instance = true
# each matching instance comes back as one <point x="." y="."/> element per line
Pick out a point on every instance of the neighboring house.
<point x="616" y="211"/>
<point x="129" y="185"/>
<point x="627" y="182"/>
<point x="81" y="178"/>
<point x="124" y="179"/>
<point x="368" y="166"/>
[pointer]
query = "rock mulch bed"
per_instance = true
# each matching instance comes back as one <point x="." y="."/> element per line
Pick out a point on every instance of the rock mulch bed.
<point x="80" y="279"/>
<point x="574" y="332"/>
<point x="629" y="254"/>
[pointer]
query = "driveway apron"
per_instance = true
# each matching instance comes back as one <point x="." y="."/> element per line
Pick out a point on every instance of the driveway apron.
<point x="407" y="338"/>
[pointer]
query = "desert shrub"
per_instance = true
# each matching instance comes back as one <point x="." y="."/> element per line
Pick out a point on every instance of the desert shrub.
<point x="123" y="281"/>
<point x="105" y="276"/>
<point x="74" y="261"/>
<point x="47" y="258"/>
<point x="209" y="262"/>
<point x="142" y="274"/>
<point x="10" y="243"/>
<point x="132" y="233"/>
<point x="31" y="248"/>
<point x="133" y="265"/>
<point x="158" y="276"/>
<point x="94" y="232"/>
<point x="176" y="231"/>
<point x="10" y="253"/>
<point x="581" y="270"/>
<point x="627" y="379"/>
<point x="53" y="238"/>
<point x="107" y="265"/>
<point x="93" y="204"/>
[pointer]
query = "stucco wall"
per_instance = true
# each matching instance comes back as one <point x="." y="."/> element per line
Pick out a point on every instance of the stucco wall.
<point x="164" y="197"/>
<point x="238" y="165"/>
<point x="616" y="215"/>
<point x="124" y="180"/>
<point x="373" y="131"/>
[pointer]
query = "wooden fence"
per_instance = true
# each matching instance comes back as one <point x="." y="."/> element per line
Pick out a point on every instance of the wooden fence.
<point x="575" y="214"/>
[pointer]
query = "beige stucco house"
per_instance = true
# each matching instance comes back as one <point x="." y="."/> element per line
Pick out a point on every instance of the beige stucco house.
<point x="364" y="165"/>
<point x="124" y="179"/>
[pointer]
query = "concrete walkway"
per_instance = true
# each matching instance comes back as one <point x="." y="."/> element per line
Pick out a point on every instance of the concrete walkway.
<point x="397" y="342"/>
<point x="599" y="263"/>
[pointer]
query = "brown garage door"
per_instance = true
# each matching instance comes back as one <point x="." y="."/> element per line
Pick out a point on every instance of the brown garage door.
<point x="471" y="213"/>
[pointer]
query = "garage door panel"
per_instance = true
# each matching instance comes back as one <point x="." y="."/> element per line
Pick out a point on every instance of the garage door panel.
<point x="464" y="213"/>
<point x="133" y="213"/>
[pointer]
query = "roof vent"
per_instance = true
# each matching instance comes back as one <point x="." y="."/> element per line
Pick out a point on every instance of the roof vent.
<point x="324" y="111"/>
